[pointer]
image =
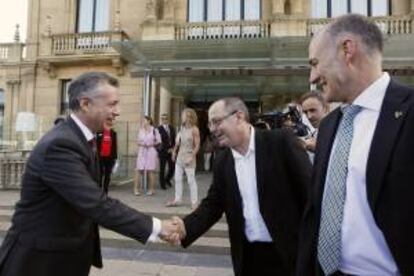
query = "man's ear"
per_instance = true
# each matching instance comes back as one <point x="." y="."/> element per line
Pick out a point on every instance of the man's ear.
<point x="349" y="48"/>
<point x="84" y="104"/>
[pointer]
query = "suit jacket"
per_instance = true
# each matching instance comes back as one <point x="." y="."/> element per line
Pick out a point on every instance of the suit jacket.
<point x="167" y="141"/>
<point x="283" y="175"/>
<point x="54" y="227"/>
<point x="114" y="145"/>
<point x="389" y="180"/>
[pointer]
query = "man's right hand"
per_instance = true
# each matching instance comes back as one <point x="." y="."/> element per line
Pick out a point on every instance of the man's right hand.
<point x="172" y="230"/>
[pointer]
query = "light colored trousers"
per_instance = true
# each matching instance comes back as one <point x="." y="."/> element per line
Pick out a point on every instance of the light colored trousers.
<point x="178" y="177"/>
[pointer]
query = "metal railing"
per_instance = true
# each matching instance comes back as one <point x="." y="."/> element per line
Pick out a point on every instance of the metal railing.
<point x="389" y="25"/>
<point x="82" y="43"/>
<point x="222" y="30"/>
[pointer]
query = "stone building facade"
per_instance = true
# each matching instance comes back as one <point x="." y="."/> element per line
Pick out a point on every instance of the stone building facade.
<point x="168" y="54"/>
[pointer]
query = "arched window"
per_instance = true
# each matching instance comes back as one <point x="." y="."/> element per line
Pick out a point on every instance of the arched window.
<point x="332" y="8"/>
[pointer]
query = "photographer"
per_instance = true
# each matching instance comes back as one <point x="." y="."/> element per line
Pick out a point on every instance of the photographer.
<point x="315" y="108"/>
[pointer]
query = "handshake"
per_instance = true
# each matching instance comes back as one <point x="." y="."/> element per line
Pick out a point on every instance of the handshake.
<point x="172" y="230"/>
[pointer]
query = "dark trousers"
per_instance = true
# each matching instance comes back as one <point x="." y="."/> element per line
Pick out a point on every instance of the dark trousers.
<point x="262" y="258"/>
<point x="165" y="158"/>
<point x="107" y="164"/>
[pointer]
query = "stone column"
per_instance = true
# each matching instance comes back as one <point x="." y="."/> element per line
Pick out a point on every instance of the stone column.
<point x="401" y="7"/>
<point x="177" y="105"/>
<point x="297" y="6"/>
<point x="165" y="101"/>
<point x="169" y="10"/>
<point x="155" y="100"/>
<point x="146" y="105"/>
<point x="278" y="7"/>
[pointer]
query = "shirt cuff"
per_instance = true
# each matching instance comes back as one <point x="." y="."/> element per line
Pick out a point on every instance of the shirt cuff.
<point x="156" y="230"/>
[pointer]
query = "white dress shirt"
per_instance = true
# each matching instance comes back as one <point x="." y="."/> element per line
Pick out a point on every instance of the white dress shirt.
<point x="364" y="249"/>
<point x="156" y="223"/>
<point x="245" y="166"/>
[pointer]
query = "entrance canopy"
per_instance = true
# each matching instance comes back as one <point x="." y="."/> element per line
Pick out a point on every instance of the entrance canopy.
<point x="215" y="54"/>
<point x="210" y="68"/>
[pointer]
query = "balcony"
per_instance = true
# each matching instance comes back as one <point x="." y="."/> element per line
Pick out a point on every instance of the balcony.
<point x="83" y="48"/>
<point x="86" y="43"/>
<point x="389" y="25"/>
<point x="222" y="30"/>
<point x="278" y="27"/>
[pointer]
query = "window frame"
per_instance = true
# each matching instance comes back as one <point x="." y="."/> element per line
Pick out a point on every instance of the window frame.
<point x="369" y="3"/>
<point x="223" y="16"/>
<point x="94" y="12"/>
<point x="63" y="95"/>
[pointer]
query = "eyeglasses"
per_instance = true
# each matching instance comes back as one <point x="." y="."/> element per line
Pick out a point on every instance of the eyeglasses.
<point x="215" y="122"/>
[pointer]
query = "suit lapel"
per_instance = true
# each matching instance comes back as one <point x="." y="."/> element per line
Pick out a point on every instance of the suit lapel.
<point x="326" y="137"/>
<point x="385" y="136"/>
<point x="93" y="157"/>
<point x="231" y="179"/>
<point x="260" y="167"/>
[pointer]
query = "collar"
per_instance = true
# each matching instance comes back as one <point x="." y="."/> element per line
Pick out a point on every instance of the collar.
<point x="373" y="95"/>
<point x="85" y="130"/>
<point x="251" y="149"/>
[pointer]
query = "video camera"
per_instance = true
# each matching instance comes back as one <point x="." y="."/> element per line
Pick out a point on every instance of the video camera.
<point x="290" y="118"/>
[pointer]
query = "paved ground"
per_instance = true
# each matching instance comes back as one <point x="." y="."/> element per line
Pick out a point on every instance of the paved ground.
<point x="209" y="255"/>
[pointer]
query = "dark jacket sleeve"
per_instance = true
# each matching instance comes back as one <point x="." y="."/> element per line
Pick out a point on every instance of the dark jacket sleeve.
<point x="299" y="168"/>
<point x="209" y="211"/>
<point x="65" y="170"/>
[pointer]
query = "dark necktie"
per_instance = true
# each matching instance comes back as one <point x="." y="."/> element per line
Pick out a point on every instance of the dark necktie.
<point x="92" y="143"/>
<point x="94" y="148"/>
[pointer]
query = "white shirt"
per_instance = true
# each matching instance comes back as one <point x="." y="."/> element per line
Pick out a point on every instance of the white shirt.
<point x="364" y="249"/>
<point x="156" y="223"/>
<point x="245" y="166"/>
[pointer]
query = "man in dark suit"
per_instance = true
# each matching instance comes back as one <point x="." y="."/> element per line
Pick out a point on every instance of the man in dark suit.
<point x="359" y="220"/>
<point x="107" y="146"/>
<point x="167" y="134"/>
<point x="54" y="228"/>
<point x="260" y="182"/>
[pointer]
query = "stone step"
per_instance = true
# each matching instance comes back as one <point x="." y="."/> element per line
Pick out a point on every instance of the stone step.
<point x="136" y="268"/>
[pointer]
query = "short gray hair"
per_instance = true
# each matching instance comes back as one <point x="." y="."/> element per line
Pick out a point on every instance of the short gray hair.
<point x="232" y="104"/>
<point x="85" y="85"/>
<point x="358" y="25"/>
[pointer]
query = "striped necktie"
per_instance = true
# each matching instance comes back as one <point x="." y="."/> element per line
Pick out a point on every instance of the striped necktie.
<point x="329" y="240"/>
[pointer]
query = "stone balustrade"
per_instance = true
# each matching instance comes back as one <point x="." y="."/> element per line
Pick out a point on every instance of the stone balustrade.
<point x="11" y="171"/>
<point x="222" y="30"/>
<point x="4" y="51"/>
<point x="11" y="52"/>
<point x="389" y="25"/>
<point x="84" y="43"/>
